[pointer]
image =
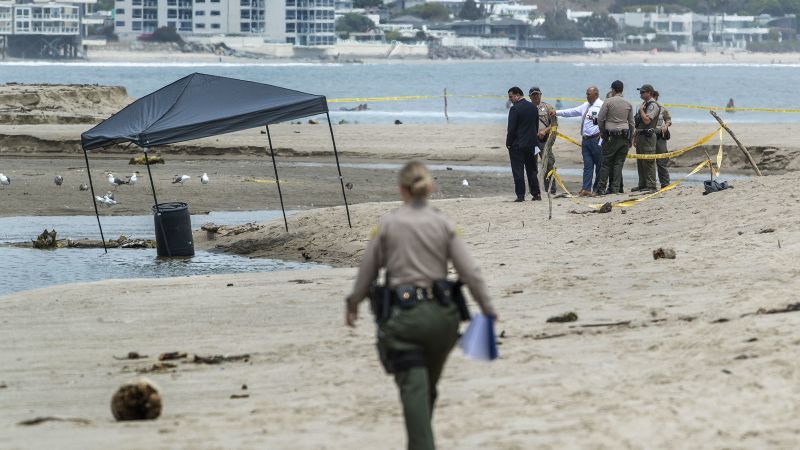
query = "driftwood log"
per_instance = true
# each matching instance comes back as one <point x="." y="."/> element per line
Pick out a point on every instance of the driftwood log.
<point x="741" y="146"/>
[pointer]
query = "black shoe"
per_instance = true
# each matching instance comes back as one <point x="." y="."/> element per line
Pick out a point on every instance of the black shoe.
<point x="637" y="189"/>
<point x="519" y="200"/>
<point x="536" y="198"/>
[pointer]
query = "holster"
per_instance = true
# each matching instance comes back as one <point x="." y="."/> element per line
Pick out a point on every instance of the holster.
<point x="449" y="293"/>
<point x="380" y="302"/>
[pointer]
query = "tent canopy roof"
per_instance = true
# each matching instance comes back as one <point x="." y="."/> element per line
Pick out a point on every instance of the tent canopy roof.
<point x="201" y="105"/>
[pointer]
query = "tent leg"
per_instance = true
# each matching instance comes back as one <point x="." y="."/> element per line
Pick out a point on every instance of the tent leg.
<point x="155" y="199"/>
<point x="341" y="180"/>
<point x="94" y="201"/>
<point x="277" y="180"/>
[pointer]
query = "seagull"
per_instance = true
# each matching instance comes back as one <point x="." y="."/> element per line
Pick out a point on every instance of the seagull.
<point x="132" y="179"/>
<point x="115" y="181"/>
<point x="181" y="179"/>
<point x="110" y="195"/>
<point x="204" y="178"/>
<point x="58" y="180"/>
<point x="84" y="187"/>
<point x="106" y="200"/>
<point x="465" y="183"/>
<point x="349" y="186"/>
<point x="4" y="180"/>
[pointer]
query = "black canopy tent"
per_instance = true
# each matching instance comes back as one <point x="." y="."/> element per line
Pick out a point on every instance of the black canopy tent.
<point x="201" y="105"/>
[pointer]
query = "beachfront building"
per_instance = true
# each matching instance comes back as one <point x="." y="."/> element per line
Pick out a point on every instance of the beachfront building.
<point x="41" y="30"/>
<point x="301" y="22"/>
<point x="202" y="17"/>
<point x="510" y="10"/>
<point x="731" y="31"/>
<point x="678" y="28"/>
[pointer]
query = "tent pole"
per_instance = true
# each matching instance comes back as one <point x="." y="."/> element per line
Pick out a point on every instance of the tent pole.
<point x="155" y="199"/>
<point x="341" y="181"/>
<point x="277" y="180"/>
<point x="94" y="201"/>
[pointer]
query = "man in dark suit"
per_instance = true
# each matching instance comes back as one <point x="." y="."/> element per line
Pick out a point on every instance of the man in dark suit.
<point x="522" y="143"/>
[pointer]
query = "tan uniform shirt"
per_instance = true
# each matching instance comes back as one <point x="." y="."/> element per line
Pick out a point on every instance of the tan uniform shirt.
<point x="652" y="110"/>
<point x="545" y="120"/>
<point x="615" y="114"/>
<point x="414" y="243"/>
<point x="664" y="117"/>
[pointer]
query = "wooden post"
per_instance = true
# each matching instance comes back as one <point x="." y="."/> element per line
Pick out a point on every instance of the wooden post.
<point x="445" y="106"/>
<point x="741" y="146"/>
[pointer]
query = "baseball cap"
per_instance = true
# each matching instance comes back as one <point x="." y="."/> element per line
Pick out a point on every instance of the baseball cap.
<point x="617" y="86"/>
<point x="534" y="90"/>
<point x="646" y="88"/>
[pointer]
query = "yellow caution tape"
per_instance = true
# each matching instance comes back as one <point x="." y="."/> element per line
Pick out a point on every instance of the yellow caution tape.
<point x="567" y="138"/>
<point x="715" y="108"/>
<point x="383" y="99"/>
<point x="676" y="153"/>
<point x="719" y="152"/>
<point x="666" y="188"/>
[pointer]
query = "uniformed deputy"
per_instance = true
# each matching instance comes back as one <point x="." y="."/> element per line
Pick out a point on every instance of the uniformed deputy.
<point x="646" y="118"/>
<point x="616" y="126"/>
<point x="414" y="243"/>
<point x="547" y="121"/>
<point x="662" y="136"/>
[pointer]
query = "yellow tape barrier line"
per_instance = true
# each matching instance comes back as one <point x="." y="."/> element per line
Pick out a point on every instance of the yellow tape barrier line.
<point x="676" y="153"/>
<point x="383" y="99"/>
<point x="666" y="188"/>
<point x="717" y="108"/>
<point x="567" y="138"/>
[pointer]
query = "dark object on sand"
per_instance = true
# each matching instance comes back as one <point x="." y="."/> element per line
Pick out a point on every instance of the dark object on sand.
<point x="171" y="355"/>
<point x="794" y="307"/>
<point x="663" y="253"/>
<point x="712" y="186"/>
<point x="606" y="208"/>
<point x="46" y="240"/>
<point x="140" y="160"/>
<point x="136" y="401"/>
<point x="38" y="420"/>
<point x="397" y="122"/>
<point x="563" y="318"/>
<point x="217" y="359"/>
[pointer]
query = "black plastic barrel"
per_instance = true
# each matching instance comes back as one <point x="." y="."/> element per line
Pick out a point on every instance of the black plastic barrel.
<point x="173" y="229"/>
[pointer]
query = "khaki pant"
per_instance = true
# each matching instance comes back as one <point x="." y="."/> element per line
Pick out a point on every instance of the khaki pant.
<point x="432" y="329"/>
<point x="646" y="145"/>
<point x="661" y="164"/>
<point x="615" y="149"/>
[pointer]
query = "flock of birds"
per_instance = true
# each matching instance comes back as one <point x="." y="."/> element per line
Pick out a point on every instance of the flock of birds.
<point x="108" y="199"/>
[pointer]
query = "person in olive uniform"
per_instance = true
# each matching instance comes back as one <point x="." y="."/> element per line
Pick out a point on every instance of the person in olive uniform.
<point x="646" y="119"/>
<point x="662" y="135"/>
<point x="616" y="126"/>
<point x="414" y="243"/>
<point x="547" y="121"/>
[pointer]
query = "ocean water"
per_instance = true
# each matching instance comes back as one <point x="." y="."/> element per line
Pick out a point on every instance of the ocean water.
<point x="27" y="268"/>
<point x="754" y="85"/>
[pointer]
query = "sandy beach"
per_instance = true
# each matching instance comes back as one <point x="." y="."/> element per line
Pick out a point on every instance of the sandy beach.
<point x="666" y="354"/>
<point x="698" y="351"/>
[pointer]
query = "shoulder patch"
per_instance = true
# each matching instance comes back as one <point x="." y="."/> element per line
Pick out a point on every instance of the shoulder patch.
<point x="373" y="232"/>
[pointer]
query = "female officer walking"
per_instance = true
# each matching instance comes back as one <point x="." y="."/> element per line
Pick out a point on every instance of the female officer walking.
<point x="414" y="243"/>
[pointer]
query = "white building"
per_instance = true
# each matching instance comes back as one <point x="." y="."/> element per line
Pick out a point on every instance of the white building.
<point x="301" y="22"/>
<point x="516" y="11"/>
<point x="732" y="30"/>
<point x="679" y="27"/>
<point x="135" y="17"/>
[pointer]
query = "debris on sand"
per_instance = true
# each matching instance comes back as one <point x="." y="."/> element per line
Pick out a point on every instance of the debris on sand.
<point x="563" y="318"/>
<point x="663" y="253"/>
<point x="132" y="355"/>
<point x="140" y="161"/>
<point x="38" y="420"/>
<point x="218" y="359"/>
<point x="171" y="355"/>
<point x="157" y="368"/>
<point x="235" y="396"/>
<point x="46" y="240"/>
<point x="139" y="400"/>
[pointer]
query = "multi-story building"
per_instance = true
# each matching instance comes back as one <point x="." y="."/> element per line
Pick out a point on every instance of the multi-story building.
<point x="306" y="22"/>
<point x="41" y="29"/>
<point x="135" y="17"/>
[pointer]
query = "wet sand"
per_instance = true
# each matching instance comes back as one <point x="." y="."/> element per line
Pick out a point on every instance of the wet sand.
<point x="33" y="155"/>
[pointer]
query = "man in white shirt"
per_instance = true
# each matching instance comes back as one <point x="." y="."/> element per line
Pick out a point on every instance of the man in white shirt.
<point x="590" y="139"/>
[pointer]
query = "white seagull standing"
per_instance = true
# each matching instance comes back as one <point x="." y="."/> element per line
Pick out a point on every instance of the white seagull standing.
<point x="4" y="180"/>
<point x="58" y="180"/>
<point x="132" y="179"/>
<point x="106" y="200"/>
<point x="465" y="183"/>
<point x="115" y="181"/>
<point x="204" y="178"/>
<point x="181" y="179"/>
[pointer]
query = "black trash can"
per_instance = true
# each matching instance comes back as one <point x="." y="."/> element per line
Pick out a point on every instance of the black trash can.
<point x="173" y="229"/>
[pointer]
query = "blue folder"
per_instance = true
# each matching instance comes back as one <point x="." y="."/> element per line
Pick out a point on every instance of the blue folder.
<point x="479" y="341"/>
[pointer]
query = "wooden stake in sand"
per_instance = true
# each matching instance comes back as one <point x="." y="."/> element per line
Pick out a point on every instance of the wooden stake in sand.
<point x="445" y="106"/>
<point x="741" y="146"/>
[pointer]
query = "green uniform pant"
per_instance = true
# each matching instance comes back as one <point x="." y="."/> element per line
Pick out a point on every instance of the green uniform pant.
<point x="615" y="149"/>
<point x="646" y="145"/>
<point x="431" y="329"/>
<point x="663" y="172"/>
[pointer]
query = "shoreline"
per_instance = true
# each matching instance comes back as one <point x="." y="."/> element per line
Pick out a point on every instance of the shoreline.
<point x="133" y="57"/>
